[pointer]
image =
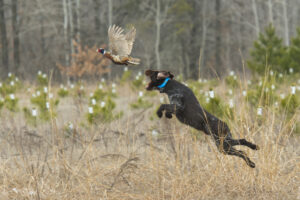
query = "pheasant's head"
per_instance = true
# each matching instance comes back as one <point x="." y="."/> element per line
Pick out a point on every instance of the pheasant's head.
<point x="157" y="78"/>
<point x="100" y="50"/>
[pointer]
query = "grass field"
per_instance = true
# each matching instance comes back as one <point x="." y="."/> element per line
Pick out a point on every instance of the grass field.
<point x="139" y="156"/>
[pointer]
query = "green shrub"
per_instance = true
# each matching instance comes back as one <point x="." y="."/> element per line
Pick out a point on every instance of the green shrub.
<point x="214" y="105"/>
<point x="29" y="117"/>
<point x="290" y="104"/>
<point x="292" y="61"/>
<point x="10" y="85"/>
<point x="268" y="52"/>
<point x="1" y="102"/>
<point x="213" y="82"/>
<point x="11" y="103"/>
<point x="141" y="103"/>
<point x="154" y="115"/>
<point x="126" y="76"/>
<point x="102" y="113"/>
<point x="77" y="91"/>
<point x="44" y="104"/>
<point x="137" y="83"/>
<point x="232" y="81"/>
<point x="196" y="87"/>
<point x="69" y="130"/>
<point x="263" y="94"/>
<point x="42" y="79"/>
<point x="112" y="93"/>
<point x="3" y="89"/>
<point x="151" y="93"/>
<point x="63" y="92"/>
<point x="99" y="95"/>
<point x="297" y="128"/>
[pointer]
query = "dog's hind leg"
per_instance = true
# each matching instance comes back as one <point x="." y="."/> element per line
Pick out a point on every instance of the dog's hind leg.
<point x="232" y="151"/>
<point x="244" y="142"/>
<point x="225" y="147"/>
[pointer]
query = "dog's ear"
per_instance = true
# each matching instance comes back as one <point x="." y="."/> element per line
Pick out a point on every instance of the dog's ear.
<point x="171" y="75"/>
<point x="149" y="72"/>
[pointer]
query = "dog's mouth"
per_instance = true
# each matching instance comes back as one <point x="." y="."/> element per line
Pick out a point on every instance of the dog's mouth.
<point x="149" y="85"/>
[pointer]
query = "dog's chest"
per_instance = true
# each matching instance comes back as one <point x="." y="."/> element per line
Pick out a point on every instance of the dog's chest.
<point x="175" y="98"/>
<point x="172" y="99"/>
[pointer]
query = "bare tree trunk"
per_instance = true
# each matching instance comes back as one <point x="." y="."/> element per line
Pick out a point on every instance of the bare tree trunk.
<point x="15" y="31"/>
<point x="78" y="21"/>
<point x="4" y="41"/>
<point x="294" y="20"/>
<point x="254" y="7"/>
<point x="186" y="68"/>
<point x="157" y="42"/>
<point x="110" y="12"/>
<point x="203" y="37"/>
<point x="43" y="45"/>
<point x="97" y="17"/>
<point x="228" y="47"/>
<point x="242" y="28"/>
<point x="217" y="35"/>
<point x="270" y="5"/>
<point x="71" y="22"/>
<point x="286" y="24"/>
<point x="110" y="22"/>
<point x="192" y="47"/>
<point x="65" y="9"/>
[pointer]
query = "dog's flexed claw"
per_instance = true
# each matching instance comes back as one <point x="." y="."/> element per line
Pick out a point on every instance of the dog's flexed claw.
<point x="168" y="115"/>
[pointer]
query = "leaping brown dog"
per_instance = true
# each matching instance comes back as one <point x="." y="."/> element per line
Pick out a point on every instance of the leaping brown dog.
<point x="185" y="106"/>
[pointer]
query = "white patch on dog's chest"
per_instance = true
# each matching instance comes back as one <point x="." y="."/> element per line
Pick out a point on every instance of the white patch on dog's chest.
<point x="171" y="100"/>
<point x="175" y="99"/>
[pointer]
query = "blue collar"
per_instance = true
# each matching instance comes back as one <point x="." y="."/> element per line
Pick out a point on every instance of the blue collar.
<point x="164" y="83"/>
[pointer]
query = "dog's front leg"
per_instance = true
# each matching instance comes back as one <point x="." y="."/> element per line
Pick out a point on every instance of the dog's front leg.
<point x="177" y="105"/>
<point x="168" y="108"/>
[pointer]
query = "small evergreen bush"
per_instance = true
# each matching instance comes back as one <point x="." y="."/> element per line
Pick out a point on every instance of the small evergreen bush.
<point x="103" y="112"/>
<point x="268" y="53"/>
<point x="63" y="92"/>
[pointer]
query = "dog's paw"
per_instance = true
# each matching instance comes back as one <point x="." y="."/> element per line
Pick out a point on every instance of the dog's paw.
<point x="159" y="113"/>
<point x="168" y="115"/>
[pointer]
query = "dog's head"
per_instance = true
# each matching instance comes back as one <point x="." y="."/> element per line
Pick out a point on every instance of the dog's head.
<point x="157" y="78"/>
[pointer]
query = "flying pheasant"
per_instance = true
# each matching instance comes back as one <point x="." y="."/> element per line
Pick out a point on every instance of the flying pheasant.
<point x="120" y="46"/>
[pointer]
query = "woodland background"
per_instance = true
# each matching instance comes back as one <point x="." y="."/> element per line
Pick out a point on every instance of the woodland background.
<point x="188" y="37"/>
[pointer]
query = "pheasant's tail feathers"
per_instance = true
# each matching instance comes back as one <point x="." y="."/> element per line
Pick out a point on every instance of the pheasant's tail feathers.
<point x="134" y="61"/>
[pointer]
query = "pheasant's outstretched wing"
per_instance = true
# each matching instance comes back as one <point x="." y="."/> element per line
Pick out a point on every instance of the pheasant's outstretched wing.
<point x="130" y="37"/>
<point x="119" y="43"/>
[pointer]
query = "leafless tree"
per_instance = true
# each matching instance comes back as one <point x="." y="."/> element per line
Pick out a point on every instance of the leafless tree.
<point x="4" y="40"/>
<point x="15" y="32"/>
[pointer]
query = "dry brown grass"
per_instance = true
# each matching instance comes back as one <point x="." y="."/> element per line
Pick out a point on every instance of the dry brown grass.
<point x="123" y="160"/>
